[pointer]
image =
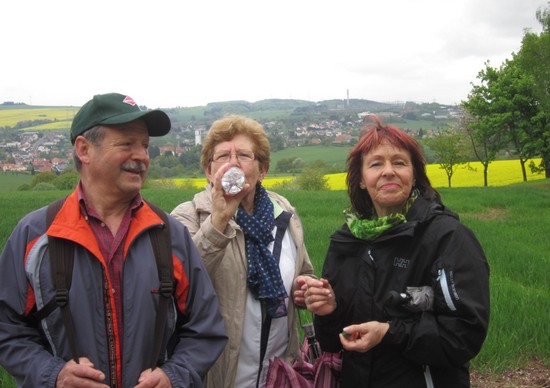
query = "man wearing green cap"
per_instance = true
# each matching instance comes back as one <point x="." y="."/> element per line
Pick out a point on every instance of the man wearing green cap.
<point x="115" y="293"/>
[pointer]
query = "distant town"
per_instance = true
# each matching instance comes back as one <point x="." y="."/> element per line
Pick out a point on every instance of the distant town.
<point x="36" y="152"/>
<point x="23" y="150"/>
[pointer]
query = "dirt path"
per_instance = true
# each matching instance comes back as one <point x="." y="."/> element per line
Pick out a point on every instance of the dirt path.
<point x="534" y="375"/>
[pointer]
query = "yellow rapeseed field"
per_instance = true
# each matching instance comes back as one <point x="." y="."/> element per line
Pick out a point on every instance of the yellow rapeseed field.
<point x="11" y="117"/>
<point x="500" y="173"/>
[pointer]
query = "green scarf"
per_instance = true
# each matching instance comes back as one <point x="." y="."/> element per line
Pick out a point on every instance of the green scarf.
<point x="369" y="229"/>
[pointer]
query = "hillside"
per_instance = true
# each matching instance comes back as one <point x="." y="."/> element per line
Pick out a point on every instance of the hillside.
<point x="30" y="117"/>
<point x="35" y="139"/>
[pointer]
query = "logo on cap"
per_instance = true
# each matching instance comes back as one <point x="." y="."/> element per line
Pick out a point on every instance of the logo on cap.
<point x="129" y="100"/>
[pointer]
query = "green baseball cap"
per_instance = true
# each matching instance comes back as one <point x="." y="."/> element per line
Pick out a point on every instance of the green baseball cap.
<point x="115" y="108"/>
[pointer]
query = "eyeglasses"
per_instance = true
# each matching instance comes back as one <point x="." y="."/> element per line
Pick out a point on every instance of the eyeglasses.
<point x="242" y="157"/>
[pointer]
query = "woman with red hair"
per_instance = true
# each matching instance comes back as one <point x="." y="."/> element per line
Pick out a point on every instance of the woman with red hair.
<point x="405" y="287"/>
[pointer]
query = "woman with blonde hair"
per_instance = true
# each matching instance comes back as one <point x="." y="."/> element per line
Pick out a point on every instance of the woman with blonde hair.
<point x="252" y="245"/>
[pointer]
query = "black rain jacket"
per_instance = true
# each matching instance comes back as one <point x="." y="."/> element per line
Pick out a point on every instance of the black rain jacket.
<point x="421" y="349"/>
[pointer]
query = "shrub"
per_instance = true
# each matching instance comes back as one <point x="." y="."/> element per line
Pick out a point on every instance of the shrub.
<point x="44" y="186"/>
<point x="67" y="180"/>
<point x="46" y="177"/>
<point x="312" y="179"/>
<point x="24" y="187"/>
<point x="284" y="185"/>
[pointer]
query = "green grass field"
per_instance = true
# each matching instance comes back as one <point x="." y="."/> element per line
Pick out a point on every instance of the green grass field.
<point x="331" y="155"/>
<point x="511" y="222"/>
<point x="10" y="181"/>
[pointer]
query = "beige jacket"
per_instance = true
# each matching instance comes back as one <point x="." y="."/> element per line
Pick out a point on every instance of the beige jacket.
<point x="225" y="260"/>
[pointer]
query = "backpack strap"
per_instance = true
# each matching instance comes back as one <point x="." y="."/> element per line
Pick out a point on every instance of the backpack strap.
<point x="162" y="246"/>
<point x="61" y="267"/>
<point x="51" y="212"/>
<point x="61" y="263"/>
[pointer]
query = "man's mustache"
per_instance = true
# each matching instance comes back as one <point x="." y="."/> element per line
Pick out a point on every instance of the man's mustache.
<point x="134" y="166"/>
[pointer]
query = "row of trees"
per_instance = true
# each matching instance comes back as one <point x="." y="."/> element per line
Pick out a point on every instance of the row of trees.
<point x="508" y="111"/>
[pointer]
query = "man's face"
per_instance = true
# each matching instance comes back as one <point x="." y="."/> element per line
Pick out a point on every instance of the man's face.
<point x="118" y="165"/>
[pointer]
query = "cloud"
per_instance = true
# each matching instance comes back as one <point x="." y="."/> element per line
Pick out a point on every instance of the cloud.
<point x="175" y="53"/>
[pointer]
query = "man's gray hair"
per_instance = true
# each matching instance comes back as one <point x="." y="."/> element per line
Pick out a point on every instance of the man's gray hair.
<point x="94" y="135"/>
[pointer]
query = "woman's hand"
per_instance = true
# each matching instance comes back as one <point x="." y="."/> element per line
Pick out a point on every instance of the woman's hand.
<point x="224" y="206"/>
<point x="360" y="338"/>
<point x="300" y="288"/>
<point x="318" y="296"/>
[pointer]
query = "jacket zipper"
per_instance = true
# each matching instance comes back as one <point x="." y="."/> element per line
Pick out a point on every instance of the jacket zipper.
<point x="444" y="285"/>
<point x="110" y="333"/>
<point x="428" y="377"/>
<point x="369" y="252"/>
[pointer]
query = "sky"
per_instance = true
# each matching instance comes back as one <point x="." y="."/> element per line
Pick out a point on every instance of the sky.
<point x="185" y="53"/>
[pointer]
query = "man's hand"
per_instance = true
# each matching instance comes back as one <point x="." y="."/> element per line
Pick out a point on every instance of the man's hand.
<point x="153" y="378"/>
<point x="81" y="375"/>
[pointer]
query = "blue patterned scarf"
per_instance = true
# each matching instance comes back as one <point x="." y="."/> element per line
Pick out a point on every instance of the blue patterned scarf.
<point x="264" y="276"/>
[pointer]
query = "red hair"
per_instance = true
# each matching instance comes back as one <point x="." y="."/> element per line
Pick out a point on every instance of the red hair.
<point x="373" y="134"/>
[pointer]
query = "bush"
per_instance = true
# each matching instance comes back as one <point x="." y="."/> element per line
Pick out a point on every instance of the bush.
<point x="43" y="177"/>
<point x="24" y="187"/>
<point x="67" y="180"/>
<point x="312" y="179"/>
<point x="44" y="186"/>
<point x="284" y="185"/>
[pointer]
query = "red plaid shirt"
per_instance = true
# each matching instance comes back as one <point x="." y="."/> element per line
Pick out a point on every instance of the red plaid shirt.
<point x="111" y="246"/>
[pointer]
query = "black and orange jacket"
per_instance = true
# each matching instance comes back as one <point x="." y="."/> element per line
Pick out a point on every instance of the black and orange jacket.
<point x="34" y="352"/>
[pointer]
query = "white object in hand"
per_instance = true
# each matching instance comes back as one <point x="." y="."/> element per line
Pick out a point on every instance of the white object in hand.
<point x="233" y="181"/>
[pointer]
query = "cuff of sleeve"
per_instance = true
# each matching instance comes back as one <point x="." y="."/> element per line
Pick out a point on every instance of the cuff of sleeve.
<point x="395" y="335"/>
<point x="331" y="318"/>
<point x="388" y="338"/>
<point x="175" y="380"/>
<point x="59" y="364"/>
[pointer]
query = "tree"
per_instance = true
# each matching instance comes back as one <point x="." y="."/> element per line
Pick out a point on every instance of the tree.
<point x="511" y="106"/>
<point x="292" y="164"/>
<point x="533" y="58"/>
<point x="167" y="160"/>
<point x="484" y="131"/>
<point x="154" y="151"/>
<point x="450" y="151"/>
<point x="508" y="106"/>
<point x="191" y="159"/>
<point x="276" y="143"/>
<point x="517" y="109"/>
<point x="284" y="165"/>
